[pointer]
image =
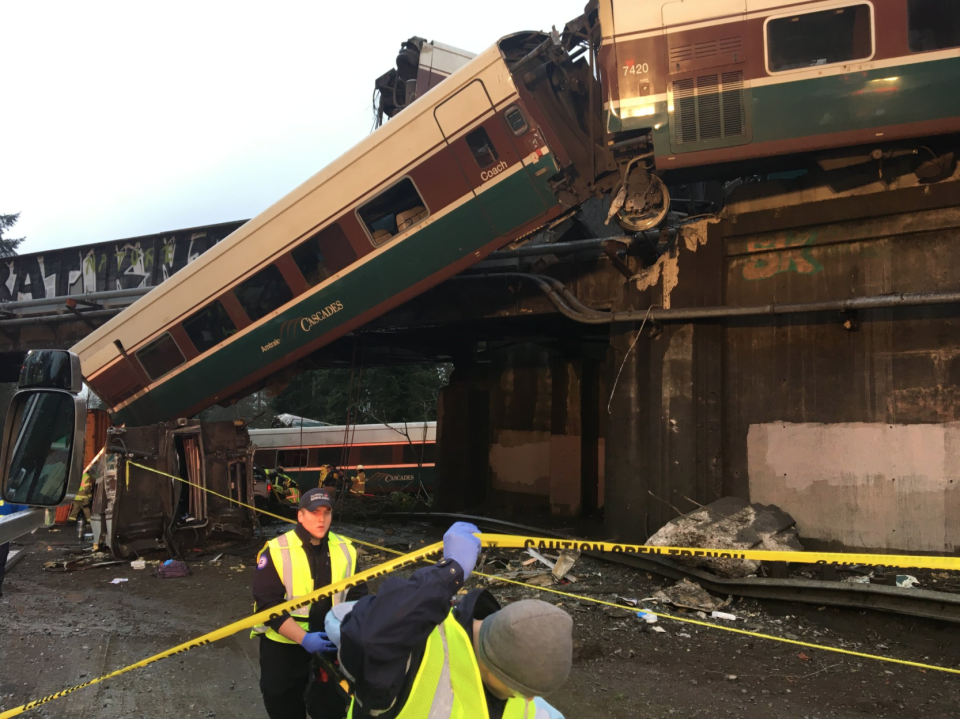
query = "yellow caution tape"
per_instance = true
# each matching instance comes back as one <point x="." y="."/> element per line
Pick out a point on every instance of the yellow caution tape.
<point x="757" y="635"/>
<point x="511" y="541"/>
<point x="833" y="558"/>
<point x="246" y="623"/>
<point x="504" y="541"/>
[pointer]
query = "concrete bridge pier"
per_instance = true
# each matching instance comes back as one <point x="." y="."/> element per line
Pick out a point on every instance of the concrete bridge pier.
<point x="521" y="433"/>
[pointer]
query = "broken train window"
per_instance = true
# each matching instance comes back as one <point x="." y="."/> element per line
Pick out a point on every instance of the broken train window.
<point x="395" y="210"/>
<point x="482" y="148"/>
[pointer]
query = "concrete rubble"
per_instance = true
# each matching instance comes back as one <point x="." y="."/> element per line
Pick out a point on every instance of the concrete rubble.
<point x="730" y="523"/>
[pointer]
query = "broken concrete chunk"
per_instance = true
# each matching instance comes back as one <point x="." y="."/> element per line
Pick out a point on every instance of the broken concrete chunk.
<point x="730" y="523"/>
<point x="689" y="595"/>
<point x="568" y="557"/>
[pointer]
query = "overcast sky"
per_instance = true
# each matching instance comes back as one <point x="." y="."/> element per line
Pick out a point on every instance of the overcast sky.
<point x="121" y="119"/>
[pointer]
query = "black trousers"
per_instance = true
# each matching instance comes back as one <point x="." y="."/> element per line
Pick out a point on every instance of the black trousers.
<point x="285" y="673"/>
<point x="4" y="551"/>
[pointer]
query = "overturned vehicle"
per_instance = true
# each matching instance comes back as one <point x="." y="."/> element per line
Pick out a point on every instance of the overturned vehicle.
<point x="166" y="486"/>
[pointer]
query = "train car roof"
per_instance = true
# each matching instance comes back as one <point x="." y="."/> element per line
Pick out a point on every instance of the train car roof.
<point x="359" y="172"/>
<point x="626" y="17"/>
<point x="339" y="435"/>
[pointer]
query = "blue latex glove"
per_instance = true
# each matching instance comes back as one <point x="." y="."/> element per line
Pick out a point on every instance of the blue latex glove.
<point x="460" y="544"/>
<point x="315" y="642"/>
<point x="544" y="710"/>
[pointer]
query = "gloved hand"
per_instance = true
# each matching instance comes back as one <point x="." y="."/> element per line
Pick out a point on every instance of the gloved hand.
<point x="544" y="710"/>
<point x="460" y="544"/>
<point x="315" y="642"/>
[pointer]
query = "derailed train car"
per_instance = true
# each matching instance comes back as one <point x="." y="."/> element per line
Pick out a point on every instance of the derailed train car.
<point x="143" y="510"/>
<point x="515" y="139"/>
<point x="473" y="164"/>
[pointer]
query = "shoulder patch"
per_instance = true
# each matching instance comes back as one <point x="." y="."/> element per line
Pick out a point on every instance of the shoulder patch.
<point x="263" y="560"/>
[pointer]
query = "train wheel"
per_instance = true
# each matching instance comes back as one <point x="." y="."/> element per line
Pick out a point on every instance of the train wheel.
<point x="646" y="202"/>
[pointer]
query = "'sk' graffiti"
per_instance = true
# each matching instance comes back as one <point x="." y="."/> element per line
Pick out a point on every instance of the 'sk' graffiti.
<point x="788" y="252"/>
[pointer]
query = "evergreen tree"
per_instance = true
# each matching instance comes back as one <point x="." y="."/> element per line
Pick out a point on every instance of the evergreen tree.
<point x="8" y="245"/>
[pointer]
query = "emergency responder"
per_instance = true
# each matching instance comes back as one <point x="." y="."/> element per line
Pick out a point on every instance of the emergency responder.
<point x="359" y="481"/>
<point x="332" y="477"/>
<point x="287" y="490"/>
<point x="395" y="646"/>
<point x="296" y="563"/>
<point x="81" y="502"/>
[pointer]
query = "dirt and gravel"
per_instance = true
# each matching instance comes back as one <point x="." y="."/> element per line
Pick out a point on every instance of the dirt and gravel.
<point x="62" y="628"/>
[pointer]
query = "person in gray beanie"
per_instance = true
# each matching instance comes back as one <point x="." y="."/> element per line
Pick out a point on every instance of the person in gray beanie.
<point x="408" y="656"/>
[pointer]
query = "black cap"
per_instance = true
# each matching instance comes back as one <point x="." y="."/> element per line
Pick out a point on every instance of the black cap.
<point x="316" y="498"/>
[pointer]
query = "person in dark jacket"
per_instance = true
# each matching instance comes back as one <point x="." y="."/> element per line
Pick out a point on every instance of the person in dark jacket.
<point x="394" y="646"/>
<point x="294" y="564"/>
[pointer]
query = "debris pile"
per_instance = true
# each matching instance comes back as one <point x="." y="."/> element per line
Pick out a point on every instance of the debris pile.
<point x="730" y="523"/>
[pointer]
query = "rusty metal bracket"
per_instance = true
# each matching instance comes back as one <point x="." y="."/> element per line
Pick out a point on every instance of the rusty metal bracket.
<point x="610" y="250"/>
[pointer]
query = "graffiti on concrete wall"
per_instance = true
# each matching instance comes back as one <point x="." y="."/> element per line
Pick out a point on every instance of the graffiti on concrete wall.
<point x="787" y="252"/>
<point x="122" y="265"/>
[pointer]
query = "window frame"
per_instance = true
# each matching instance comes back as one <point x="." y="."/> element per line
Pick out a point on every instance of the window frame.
<point x="837" y="6"/>
<point x="495" y="156"/>
<point x="316" y="237"/>
<point x="196" y="315"/>
<point x="906" y="25"/>
<point x="152" y="342"/>
<point x="263" y="268"/>
<point x="367" y="200"/>
<point x="526" y="123"/>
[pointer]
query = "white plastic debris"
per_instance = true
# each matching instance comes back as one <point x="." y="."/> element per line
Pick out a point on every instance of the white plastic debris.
<point x="118" y="580"/>
<point x="659" y="630"/>
<point x="648" y="617"/>
<point x="724" y="615"/>
<point x="138" y="564"/>
<point x="907" y="581"/>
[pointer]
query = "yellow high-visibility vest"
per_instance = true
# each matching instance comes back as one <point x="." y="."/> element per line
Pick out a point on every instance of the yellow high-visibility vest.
<point x="290" y="559"/>
<point x="448" y="683"/>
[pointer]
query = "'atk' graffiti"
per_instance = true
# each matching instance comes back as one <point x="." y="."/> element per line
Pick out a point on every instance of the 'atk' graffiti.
<point x="788" y="252"/>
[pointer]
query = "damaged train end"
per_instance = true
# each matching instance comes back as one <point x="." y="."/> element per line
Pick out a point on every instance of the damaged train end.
<point x="136" y="510"/>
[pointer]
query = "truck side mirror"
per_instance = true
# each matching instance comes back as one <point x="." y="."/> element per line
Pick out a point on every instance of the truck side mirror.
<point x="42" y="453"/>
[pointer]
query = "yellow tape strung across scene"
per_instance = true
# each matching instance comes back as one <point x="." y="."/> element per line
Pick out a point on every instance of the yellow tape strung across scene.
<point x="505" y="542"/>
<point x="246" y="623"/>
<point x="511" y="541"/>
<point x="405" y="560"/>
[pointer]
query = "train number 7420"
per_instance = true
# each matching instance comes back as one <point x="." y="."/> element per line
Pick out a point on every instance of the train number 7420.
<point x="636" y="68"/>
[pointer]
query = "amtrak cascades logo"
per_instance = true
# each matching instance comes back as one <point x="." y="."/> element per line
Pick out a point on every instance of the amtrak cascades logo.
<point x="308" y="323"/>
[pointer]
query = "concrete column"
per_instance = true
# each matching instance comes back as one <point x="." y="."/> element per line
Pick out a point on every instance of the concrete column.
<point x="462" y="447"/>
<point x="565" y="437"/>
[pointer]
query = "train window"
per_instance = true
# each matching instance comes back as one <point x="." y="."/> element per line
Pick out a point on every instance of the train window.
<point x="291" y="458"/>
<point x="209" y="327"/>
<point x="419" y="453"/>
<point x="483" y="150"/>
<point x="933" y="24"/>
<point x="266" y="458"/>
<point x="819" y="38"/>
<point x="376" y="454"/>
<point x="325" y="253"/>
<point x="330" y="455"/>
<point x="393" y="211"/>
<point x="160" y="356"/>
<point x="263" y="293"/>
<point x="516" y="120"/>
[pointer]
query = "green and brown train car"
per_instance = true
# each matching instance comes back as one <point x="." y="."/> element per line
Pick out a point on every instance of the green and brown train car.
<point x="465" y="169"/>
<point x="723" y="81"/>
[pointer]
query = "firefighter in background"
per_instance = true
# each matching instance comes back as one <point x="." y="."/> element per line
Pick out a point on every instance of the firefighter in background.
<point x="287" y="491"/>
<point x="359" y="481"/>
<point x="332" y="478"/>
<point x="84" y="496"/>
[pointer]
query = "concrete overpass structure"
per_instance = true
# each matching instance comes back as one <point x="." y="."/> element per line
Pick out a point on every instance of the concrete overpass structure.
<point x="801" y="348"/>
